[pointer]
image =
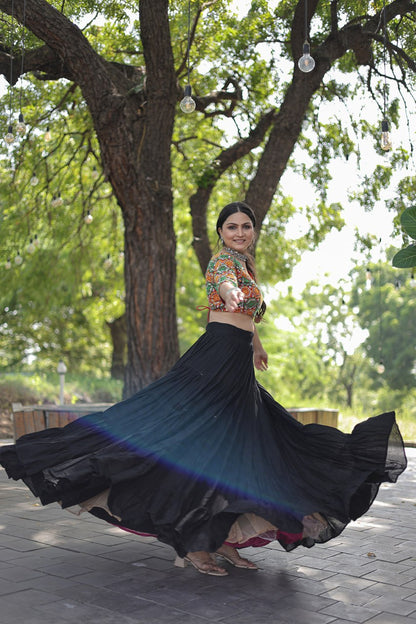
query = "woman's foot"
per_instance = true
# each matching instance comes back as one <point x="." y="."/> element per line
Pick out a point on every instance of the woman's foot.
<point x="203" y="562"/>
<point x="231" y="555"/>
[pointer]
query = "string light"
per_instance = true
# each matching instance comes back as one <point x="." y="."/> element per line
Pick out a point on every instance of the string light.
<point x="88" y="218"/>
<point x="368" y="279"/>
<point x="31" y="247"/>
<point x="385" y="140"/>
<point x="21" y="126"/>
<point x="380" y="367"/>
<point x="187" y="104"/>
<point x="18" y="259"/>
<point x="108" y="263"/>
<point x="48" y="135"/>
<point x="34" y="180"/>
<point x="57" y="201"/>
<point x="344" y="307"/>
<point x="9" y="138"/>
<point x="306" y="63"/>
<point x="8" y="264"/>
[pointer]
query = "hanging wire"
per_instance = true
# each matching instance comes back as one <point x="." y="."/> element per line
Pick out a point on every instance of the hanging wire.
<point x="306" y="21"/>
<point x="188" y="49"/>
<point x="384" y="59"/>
<point x="11" y="43"/>
<point x="23" y="54"/>
<point x="187" y="104"/>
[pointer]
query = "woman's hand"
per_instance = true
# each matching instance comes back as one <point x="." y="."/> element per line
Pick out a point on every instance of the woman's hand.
<point x="260" y="358"/>
<point x="232" y="298"/>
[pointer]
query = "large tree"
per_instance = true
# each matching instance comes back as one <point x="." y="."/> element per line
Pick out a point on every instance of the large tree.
<point x="133" y="107"/>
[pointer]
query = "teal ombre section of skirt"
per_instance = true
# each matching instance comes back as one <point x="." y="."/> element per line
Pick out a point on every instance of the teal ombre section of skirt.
<point x="187" y="455"/>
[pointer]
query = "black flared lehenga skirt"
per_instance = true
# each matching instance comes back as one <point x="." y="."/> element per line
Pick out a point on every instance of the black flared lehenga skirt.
<point x="204" y="452"/>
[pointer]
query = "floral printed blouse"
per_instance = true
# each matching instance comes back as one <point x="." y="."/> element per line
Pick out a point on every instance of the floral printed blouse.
<point x="224" y="267"/>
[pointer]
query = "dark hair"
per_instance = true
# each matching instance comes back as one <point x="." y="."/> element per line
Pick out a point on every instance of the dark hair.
<point x="232" y="208"/>
<point x="226" y="212"/>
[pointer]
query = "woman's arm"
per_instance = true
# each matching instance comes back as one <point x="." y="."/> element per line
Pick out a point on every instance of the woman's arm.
<point x="259" y="354"/>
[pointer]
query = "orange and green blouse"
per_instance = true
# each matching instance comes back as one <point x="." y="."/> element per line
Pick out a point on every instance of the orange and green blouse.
<point x="224" y="267"/>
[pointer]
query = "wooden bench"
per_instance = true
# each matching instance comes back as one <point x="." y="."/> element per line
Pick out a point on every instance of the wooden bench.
<point x="309" y="415"/>
<point x="30" y="418"/>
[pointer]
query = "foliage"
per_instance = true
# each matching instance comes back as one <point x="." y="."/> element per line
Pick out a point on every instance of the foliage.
<point x="386" y="305"/>
<point x="36" y="389"/>
<point x="406" y="258"/>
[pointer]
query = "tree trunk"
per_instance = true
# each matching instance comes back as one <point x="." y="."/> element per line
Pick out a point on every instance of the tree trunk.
<point x="118" y="331"/>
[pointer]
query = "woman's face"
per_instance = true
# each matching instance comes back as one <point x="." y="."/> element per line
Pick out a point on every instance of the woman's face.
<point x="237" y="232"/>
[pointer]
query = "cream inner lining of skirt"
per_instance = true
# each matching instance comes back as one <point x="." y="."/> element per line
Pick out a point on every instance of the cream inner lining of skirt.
<point x="246" y="526"/>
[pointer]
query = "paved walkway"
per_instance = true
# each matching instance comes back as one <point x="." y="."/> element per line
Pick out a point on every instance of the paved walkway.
<point x="59" y="569"/>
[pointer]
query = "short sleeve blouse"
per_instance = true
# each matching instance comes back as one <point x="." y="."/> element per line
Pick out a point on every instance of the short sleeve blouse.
<point x="224" y="267"/>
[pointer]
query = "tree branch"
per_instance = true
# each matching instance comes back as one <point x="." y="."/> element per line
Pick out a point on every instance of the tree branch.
<point x="222" y="162"/>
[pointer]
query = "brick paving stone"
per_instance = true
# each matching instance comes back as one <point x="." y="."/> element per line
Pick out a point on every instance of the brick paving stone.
<point x="350" y="596"/>
<point x="351" y="612"/>
<point x="394" y="605"/>
<point x="389" y="618"/>
<point x="346" y="580"/>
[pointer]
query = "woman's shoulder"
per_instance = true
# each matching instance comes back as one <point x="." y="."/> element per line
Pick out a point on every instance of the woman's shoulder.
<point x="221" y="257"/>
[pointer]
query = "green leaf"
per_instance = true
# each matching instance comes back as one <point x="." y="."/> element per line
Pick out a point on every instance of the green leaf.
<point x="405" y="258"/>
<point x="408" y="221"/>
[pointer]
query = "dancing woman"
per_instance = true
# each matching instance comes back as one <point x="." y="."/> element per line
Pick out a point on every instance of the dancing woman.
<point x="204" y="458"/>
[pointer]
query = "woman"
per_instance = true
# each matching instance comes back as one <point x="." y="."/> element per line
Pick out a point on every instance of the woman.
<point x="204" y="458"/>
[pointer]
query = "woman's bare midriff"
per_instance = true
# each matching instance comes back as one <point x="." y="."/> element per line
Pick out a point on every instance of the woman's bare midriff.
<point x="242" y="321"/>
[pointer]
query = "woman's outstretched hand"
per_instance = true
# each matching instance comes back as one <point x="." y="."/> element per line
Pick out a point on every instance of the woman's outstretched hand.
<point x="232" y="298"/>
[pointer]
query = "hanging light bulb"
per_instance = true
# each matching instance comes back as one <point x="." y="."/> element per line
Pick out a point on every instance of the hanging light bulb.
<point x="412" y="280"/>
<point x="94" y="173"/>
<point x="18" y="259"/>
<point x="21" y="126"/>
<point x="88" y="218"/>
<point x="31" y="247"/>
<point x="344" y="307"/>
<point x="9" y="138"/>
<point x="48" y="135"/>
<point x="34" y="180"/>
<point x="385" y="141"/>
<point x="368" y="279"/>
<point x="56" y="201"/>
<point x="187" y="104"/>
<point x="380" y="367"/>
<point x="306" y="63"/>
<point x="108" y="262"/>
<point x="121" y="254"/>
<point x="8" y="264"/>
<point x="36" y="241"/>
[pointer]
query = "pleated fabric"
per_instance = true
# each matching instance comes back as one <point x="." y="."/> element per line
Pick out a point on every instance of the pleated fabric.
<point x="198" y="454"/>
